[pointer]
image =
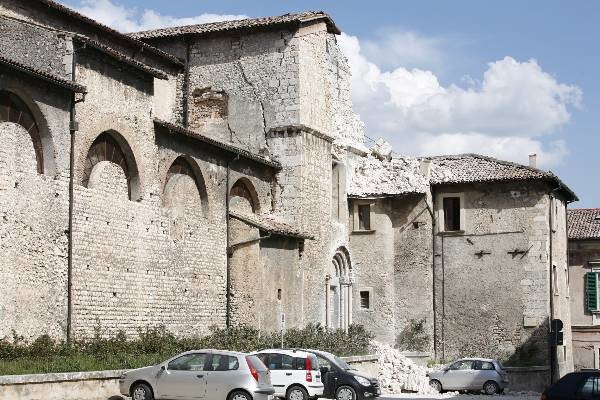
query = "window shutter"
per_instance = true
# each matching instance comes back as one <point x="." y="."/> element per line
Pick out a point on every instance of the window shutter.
<point x="591" y="291"/>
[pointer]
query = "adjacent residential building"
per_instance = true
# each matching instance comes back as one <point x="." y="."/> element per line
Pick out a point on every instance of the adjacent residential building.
<point x="584" y="273"/>
<point x="216" y="174"/>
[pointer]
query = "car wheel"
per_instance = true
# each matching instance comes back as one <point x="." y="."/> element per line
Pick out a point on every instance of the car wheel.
<point x="296" y="393"/>
<point x="239" y="395"/>
<point x="141" y="391"/>
<point x="345" y="393"/>
<point x="491" y="387"/>
<point x="436" y="385"/>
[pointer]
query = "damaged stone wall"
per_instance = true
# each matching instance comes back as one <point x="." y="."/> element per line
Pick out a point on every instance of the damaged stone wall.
<point x="34" y="214"/>
<point x="480" y="275"/>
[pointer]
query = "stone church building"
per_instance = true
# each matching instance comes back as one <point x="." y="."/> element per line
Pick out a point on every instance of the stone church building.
<point x="216" y="174"/>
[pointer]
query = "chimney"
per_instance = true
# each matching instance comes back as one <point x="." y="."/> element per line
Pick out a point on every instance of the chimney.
<point x="425" y="167"/>
<point x="533" y="160"/>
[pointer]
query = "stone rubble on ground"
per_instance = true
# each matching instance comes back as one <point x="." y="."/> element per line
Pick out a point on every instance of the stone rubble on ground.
<point x="398" y="374"/>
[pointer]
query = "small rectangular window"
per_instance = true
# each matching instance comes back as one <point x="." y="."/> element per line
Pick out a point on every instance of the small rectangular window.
<point x="591" y="291"/>
<point x="364" y="217"/>
<point x="365" y="299"/>
<point x="278" y="294"/>
<point x="451" y="207"/>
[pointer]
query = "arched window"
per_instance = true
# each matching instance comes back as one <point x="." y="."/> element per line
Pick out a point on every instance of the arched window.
<point x="243" y="194"/>
<point x="106" y="148"/>
<point x="186" y="168"/>
<point x="13" y="109"/>
<point x="338" y="295"/>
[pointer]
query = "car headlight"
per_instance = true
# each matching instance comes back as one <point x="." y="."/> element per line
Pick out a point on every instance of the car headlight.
<point x="362" y="381"/>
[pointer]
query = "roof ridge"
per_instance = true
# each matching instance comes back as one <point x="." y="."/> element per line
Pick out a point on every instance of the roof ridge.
<point x="236" y="24"/>
<point x="69" y="11"/>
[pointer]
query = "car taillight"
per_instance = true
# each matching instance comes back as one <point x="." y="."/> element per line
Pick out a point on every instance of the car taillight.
<point x="308" y="370"/>
<point x="544" y="397"/>
<point x="253" y="370"/>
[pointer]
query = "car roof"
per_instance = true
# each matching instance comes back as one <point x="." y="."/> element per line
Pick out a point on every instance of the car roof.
<point x="319" y="352"/>
<point x="290" y="352"/>
<point x="476" y="359"/>
<point x="215" y="351"/>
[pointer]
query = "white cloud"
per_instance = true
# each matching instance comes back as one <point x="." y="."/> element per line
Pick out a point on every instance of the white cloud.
<point x="509" y="114"/>
<point x="126" y="19"/>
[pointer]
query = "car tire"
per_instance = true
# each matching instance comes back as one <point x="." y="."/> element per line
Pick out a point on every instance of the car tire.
<point x="239" y="395"/>
<point x="345" y="393"/>
<point x="491" y="387"/>
<point x="141" y="391"/>
<point x="296" y="393"/>
<point x="436" y="385"/>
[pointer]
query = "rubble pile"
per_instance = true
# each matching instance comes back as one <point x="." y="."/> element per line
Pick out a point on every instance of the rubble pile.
<point x="398" y="374"/>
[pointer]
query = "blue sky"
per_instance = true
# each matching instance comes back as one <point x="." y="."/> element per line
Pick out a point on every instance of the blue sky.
<point x="504" y="78"/>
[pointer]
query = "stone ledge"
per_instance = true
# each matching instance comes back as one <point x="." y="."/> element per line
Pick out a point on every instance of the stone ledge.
<point x="59" y="377"/>
<point x="538" y="368"/>
<point x="365" y="358"/>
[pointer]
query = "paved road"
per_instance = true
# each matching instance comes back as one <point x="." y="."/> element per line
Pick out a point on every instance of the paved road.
<point x="456" y="396"/>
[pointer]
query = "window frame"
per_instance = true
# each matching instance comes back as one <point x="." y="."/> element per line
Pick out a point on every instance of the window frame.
<point x="368" y="290"/>
<point x="441" y="225"/>
<point x="356" y="216"/>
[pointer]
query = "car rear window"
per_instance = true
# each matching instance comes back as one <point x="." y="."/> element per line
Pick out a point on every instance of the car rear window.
<point x="222" y="362"/>
<point x="257" y="363"/>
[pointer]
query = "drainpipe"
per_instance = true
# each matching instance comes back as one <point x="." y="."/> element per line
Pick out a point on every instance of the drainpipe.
<point x="186" y="83"/>
<point x="228" y="248"/>
<point x="73" y="127"/>
<point x="551" y="344"/>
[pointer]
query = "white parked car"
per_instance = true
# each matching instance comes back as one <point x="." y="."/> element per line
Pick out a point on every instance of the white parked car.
<point x="295" y="374"/>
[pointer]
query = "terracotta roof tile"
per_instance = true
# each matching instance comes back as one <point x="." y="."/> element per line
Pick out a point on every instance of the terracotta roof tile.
<point x="241" y="24"/>
<point x="583" y="223"/>
<point x="43" y="75"/>
<point x="224" y="146"/>
<point x="74" y="14"/>
<point x="121" y="57"/>
<point x="271" y="223"/>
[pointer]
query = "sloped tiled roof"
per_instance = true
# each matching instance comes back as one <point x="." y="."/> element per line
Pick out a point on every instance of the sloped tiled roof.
<point x="402" y="175"/>
<point x="121" y="57"/>
<point x="213" y="142"/>
<point x="475" y="168"/>
<point x="37" y="73"/>
<point x="270" y="223"/>
<point x="241" y="24"/>
<point x="53" y="5"/>
<point x="583" y="223"/>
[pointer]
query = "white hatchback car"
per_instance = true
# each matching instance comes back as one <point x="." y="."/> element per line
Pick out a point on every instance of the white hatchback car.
<point x="295" y="374"/>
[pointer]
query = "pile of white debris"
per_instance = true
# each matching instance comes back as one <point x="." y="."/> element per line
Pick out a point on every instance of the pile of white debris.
<point x="399" y="374"/>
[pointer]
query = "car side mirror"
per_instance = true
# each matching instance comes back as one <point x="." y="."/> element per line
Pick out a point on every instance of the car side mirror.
<point x="324" y="370"/>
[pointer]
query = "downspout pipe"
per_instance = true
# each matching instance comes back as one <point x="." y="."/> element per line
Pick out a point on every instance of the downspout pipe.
<point x="228" y="249"/>
<point x="73" y="128"/>
<point x="551" y="344"/>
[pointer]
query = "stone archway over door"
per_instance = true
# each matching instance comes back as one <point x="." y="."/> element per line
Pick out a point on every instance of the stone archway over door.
<point x="338" y="291"/>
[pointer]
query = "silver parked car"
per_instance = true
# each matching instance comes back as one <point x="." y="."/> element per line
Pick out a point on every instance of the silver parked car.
<point x="471" y="374"/>
<point x="201" y="374"/>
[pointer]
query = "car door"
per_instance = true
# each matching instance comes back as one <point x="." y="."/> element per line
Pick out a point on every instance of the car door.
<point x="223" y="375"/>
<point x="328" y="378"/>
<point x="590" y="390"/>
<point x="459" y="376"/>
<point x="183" y="378"/>
<point x="484" y="371"/>
<point x="279" y="379"/>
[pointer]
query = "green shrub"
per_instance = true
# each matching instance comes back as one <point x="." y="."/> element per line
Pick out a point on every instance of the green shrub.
<point x="153" y="345"/>
<point x="413" y="337"/>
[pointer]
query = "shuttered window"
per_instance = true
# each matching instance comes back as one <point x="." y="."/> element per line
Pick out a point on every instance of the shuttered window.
<point x="451" y="214"/>
<point x="591" y="291"/>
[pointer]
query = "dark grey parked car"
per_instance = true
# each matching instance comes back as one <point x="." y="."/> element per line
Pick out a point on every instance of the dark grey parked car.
<point x="476" y="374"/>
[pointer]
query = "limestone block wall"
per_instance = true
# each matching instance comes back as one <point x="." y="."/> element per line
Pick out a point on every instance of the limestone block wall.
<point x="413" y="266"/>
<point x="492" y="280"/>
<point x="373" y="263"/>
<point x="33" y="214"/>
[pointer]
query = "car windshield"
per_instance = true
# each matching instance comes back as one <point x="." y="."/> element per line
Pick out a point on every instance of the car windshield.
<point x="342" y="364"/>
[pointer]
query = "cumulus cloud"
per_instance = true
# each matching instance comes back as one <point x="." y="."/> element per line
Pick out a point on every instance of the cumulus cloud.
<point x="127" y="19"/>
<point x="511" y="112"/>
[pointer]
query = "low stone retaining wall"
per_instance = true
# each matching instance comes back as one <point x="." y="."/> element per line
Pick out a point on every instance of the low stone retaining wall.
<point x="97" y="385"/>
<point x="532" y="379"/>
<point x="369" y="365"/>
